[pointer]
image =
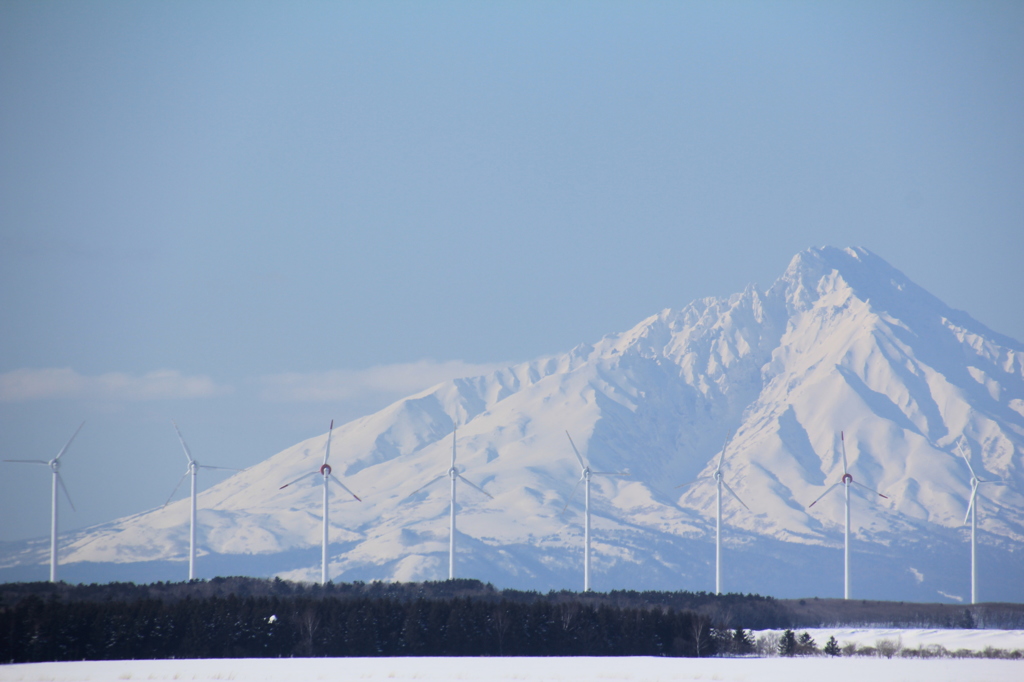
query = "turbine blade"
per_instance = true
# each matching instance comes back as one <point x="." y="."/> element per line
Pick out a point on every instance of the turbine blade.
<point x="28" y="461"/>
<point x="967" y="459"/>
<point x="207" y="466"/>
<point x="733" y="492"/>
<point x="184" y="447"/>
<point x="64" y="488"/>
<point x="327" y="452"/>
<point x="473" y="485"/>
<point x="312" y="473"/>
<point x="575" y="451"/>
<point x="696" y="480"/>
<point x="334" y="478"/>
<point x="423" y="487"/>
<point x="180" y="481"/>
<point x="842" y="439"/>
<point x="611" y="473"/>
<point x="66" y="445"/>
<point x="834" y="486"/>
<point x="721" y="456"/>
<point x="861" y="485"/>
<point x="454" y="430"/>
<point x="571" y="495"/>
<point x="970" y="505"/>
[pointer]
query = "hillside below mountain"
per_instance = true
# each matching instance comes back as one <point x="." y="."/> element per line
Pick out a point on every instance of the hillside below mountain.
<point x="841" y="342"/>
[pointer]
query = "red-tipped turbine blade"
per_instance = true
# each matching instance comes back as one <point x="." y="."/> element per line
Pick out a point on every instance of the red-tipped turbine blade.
<point x="861" y="485"/>
<point x="334" y="478"/>
<point x="834" y="486"/>
<point x="312" y="473"/>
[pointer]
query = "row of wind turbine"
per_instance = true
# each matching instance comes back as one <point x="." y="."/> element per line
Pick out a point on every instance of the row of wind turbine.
<point x="453" y="473"/>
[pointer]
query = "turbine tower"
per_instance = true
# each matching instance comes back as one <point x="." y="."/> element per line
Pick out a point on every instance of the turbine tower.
<point x="453" y="473"/>
<point x="325" y="472"/>
<point x="719" y="484"/>
<point x="54" y="465"/>
<point x="846" y="482"/>
<point x="585" y="475"/>
<point x="193" y="469"/>
<point x="972" y="509"/>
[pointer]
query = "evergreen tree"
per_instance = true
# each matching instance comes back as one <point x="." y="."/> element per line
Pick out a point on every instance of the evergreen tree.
<point x="832" y="647"/>
<point x="787" y="644"/>
<point x="742" y="642"/>
<point x="806" y="645"/>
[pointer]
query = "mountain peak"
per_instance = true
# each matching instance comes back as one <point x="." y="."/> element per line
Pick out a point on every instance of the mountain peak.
<point x="841" y="342"/>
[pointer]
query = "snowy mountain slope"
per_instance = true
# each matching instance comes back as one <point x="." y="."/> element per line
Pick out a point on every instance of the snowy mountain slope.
<point x="841" y="342"/>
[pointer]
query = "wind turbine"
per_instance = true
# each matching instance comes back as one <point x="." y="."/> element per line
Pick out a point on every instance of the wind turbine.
<point x="719" y="484"/>
<point x="846" y="482"/>
<point x="325" y="472"/>
<point x="54" y="465"/>
<point x="585" y="475"/>
<point x="972" y="509"/>
<point x="453" y="474"/>
<point x="193" y="469"/>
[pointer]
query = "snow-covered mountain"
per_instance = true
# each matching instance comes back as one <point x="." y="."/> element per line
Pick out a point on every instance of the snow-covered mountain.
<point x="842" y="341"/>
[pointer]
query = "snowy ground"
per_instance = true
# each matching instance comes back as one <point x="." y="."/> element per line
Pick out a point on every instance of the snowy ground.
<point x="639" y="669"/>
<point x="518" y="669"/>
<point x="952" y="640"/>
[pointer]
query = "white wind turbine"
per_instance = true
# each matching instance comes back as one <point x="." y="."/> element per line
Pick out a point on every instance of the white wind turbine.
<point x="452" y="473"/>
<point x="719" y="484"/>
<point x="325" y="472"/>
<point x="972" y="509"/>
<point x="193" y="470"/>
<point x="846" y="482"/>
<point x="585" y="475"/>
<point x="54" y="465"/>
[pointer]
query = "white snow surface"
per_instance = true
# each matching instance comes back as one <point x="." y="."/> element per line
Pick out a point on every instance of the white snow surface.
<point x="842" y="341"/>
<point x="582" y="669"/>
<point x="950" y="639"/>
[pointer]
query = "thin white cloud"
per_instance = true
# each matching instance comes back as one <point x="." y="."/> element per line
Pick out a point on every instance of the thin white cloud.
<point x="396" y="380"/>
<point x="23" y="385"/>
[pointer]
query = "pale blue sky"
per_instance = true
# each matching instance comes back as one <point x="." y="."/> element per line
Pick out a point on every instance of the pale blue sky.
<point x="256" y="217"/>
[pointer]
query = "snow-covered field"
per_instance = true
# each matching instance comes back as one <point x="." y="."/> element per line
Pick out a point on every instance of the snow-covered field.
<point x="534" y="669"/>
<point x="951" y="640"/>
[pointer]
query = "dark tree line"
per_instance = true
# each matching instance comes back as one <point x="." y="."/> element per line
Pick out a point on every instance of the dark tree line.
<point x="36" y="629"/>
<point x="252" y="617"/>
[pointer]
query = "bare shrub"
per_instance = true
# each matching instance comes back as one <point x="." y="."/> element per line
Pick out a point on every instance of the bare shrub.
<point x="888" y="648"/>
<point x="768" y="644"/>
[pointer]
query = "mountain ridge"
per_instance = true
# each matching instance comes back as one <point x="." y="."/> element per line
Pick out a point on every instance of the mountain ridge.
<point x="842" y="341"/>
